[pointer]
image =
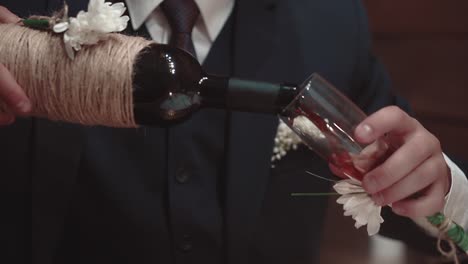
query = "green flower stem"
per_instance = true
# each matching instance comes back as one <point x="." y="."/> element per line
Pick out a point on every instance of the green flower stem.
<point x="36" y="23"/>
<point x="454" y="232"/>
<point x="314" y="194"/>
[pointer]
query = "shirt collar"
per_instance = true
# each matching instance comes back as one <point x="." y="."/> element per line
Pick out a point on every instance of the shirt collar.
<point x="214" y="13"/>
<point x="140" y="10"/>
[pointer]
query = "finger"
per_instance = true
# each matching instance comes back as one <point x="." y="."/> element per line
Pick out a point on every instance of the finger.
<point x="371" y="156"/>
<point x="341" y="164"/>
<point x="417" y="180"/>
<point x="337" y="171"/>
<point x="389" y="119"/>
<point x="6" y="119"/>
<point x="410" y="155"/>
<point x="7" y="17"/>
<point x="12" y="94"/>
<point x="429" y="203"/>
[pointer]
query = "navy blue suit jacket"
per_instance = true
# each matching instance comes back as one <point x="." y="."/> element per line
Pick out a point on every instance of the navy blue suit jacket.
<point x="275" y="40"/>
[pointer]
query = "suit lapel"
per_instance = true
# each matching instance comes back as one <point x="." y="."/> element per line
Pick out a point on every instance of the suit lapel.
<point x="56" y="156"/>
<point x="251" y="135"/>
<point x="56" y="152"/>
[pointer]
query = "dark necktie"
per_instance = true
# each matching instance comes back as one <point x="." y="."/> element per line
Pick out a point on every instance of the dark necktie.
<point x="181" y="15"/>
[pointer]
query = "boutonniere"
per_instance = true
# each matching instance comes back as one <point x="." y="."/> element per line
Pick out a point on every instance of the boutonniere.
<point x="285" y="140"/>
<point x="87" y="28"/>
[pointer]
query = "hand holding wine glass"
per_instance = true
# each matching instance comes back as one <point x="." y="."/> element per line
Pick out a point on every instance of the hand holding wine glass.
<point x="414" y="178"/>
<point x="398" y="161"/>
<point x="388" y="156"/>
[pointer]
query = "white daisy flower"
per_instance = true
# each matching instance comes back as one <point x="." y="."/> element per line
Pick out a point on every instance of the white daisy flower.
<point x="359" y="205"/>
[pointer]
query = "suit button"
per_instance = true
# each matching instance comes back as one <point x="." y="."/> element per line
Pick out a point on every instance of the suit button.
<point x="182" y="175"/>
<point x="186" y="244"/>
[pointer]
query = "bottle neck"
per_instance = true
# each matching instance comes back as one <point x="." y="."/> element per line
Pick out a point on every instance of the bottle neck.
<point x="169" y="85"/>
<point x="245" y="95"/>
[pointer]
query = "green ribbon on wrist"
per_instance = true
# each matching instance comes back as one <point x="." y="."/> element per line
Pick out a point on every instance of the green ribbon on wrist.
<point x="451" y="230"/>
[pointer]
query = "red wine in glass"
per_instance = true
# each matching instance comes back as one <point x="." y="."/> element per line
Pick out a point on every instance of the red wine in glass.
<point x="325" y="121"/>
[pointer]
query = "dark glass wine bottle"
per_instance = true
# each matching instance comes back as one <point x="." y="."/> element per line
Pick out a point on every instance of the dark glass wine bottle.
<point x="169" y="85"/>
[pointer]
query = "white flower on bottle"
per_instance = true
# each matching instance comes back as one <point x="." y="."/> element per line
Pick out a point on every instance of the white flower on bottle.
<point x="359" y="205"/>
<point x="90" y="27"/>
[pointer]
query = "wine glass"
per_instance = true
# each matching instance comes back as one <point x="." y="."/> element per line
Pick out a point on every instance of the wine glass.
<point x="325" y="121"/>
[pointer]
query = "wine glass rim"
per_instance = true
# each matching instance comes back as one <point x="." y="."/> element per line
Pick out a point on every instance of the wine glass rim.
<point x="303" y="88"/>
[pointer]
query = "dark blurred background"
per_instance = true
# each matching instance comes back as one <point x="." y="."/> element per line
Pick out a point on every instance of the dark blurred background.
<point x="424" y="45"/>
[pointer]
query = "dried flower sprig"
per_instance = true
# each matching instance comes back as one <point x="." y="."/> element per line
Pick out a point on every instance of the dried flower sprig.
<point x="88" y="28"/>
<point x="285" y="140"/>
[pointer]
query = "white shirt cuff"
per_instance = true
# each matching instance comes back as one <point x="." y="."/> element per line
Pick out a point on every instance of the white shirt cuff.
<point x="456" y="207"/>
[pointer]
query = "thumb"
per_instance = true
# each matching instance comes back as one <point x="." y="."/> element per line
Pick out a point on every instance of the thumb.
<point x="12" y="94"/>
<point x="7" y="17"/>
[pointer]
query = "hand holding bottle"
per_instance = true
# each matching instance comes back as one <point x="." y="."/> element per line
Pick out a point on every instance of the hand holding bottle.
<point x="10" y="92"/>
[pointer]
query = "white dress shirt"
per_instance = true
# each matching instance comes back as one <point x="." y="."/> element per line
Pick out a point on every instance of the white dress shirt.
<point x="456" y="207"/>
<point x="213" y="16"/>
